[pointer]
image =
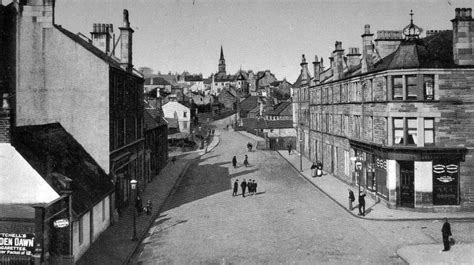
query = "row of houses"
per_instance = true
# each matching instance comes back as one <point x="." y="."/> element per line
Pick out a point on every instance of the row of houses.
<point x="73" y="131"/>
<point x="400" y="111"/>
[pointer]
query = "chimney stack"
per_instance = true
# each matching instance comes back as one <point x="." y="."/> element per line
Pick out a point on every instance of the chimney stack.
<point x="102" y="37"/>
<point x="353" y="57"/>
<point x="317" y="70"/>
<point x="463" y="37"/>
<point x="367" y="49"/>
<point x="126" y="43"/>
<point x="305" y="76"/>
<point x="338" y="54"/>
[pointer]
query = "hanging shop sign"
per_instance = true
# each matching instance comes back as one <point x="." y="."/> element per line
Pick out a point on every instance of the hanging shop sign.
<point x="17" y="244"/>
<point x="61" y="223"/>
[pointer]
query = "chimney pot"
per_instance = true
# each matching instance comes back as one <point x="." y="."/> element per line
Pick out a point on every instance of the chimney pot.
<point x="469" y="13"/>
<point x="367" y="29"/>
<point x="126" y="22"/>
<point x="463" y="13"/>
<point x="457" y="11"/>
<point x="94" y="27"/>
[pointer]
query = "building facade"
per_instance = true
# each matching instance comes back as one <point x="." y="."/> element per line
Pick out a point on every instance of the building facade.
<point x="405" y="117"/>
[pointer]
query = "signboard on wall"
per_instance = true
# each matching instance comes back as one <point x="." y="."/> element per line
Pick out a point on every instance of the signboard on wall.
<point x="17" y="244"/>
<point x="445" y="182"/>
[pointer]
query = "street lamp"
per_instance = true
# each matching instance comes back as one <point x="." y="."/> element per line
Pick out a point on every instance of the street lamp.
<point x="301" y="148"/>
<point x="133" y="185"/>
<point x="358" y="165"/>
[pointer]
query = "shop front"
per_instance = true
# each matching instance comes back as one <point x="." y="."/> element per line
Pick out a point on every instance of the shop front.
<point x="420" y="178"/>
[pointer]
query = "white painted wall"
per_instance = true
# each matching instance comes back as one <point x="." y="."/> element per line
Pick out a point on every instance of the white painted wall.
<point x="423" y="176"/>
<point x="60" y="81"/>
<point x="101" y="219"/>
<point x="171" y="107"/>
<point x="79" y="249"/>
<point x="392" y="172"/>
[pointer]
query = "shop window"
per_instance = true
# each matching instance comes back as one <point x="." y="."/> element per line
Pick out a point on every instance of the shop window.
<point x="428" y="87"/>
<point x="398" y="130"/>
<point x="397" y="87"/>
<point x="411" y="82"/>
<point x="346" y="163"/>
<point x="429" y="131"/>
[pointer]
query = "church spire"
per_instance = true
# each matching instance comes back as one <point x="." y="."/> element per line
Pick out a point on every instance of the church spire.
<point x="221" y="66"/>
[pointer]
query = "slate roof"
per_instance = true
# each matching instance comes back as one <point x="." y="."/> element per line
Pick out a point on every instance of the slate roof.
<point x="172" y="122"/>
<point x="259" y="123"/>
<point x="193" y="78"/>
<point x="153" y="119"/>
<point x="56" y="155"/>
<point x="157" y="81"/>
<point x="249" y="103"/>
<point x="224" y="78"/>
<point x="279" y="108"/>
<point x="297" y="83"/>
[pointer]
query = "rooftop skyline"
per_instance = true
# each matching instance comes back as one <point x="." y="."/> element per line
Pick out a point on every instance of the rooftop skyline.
<point x="186" y="35"/>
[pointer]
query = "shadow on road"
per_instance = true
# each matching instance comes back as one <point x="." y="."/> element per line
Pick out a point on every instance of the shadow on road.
<point x="208" y="178"/>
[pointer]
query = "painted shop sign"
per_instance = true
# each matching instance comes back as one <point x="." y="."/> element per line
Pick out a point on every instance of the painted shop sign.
<point x="17" y="244"/>
<point x="445" y="182"/>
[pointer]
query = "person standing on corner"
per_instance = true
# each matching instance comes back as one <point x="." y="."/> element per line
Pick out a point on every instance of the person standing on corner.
<point x="243" y="185"/>
<point x="362" y="203"/>
<point x="246" y="161"/>
<point x="446" y="231"/>
<point x="289" y="149"/>
<point x="234" y="161"/>
<point x="351" y="199"/>
<point x="236" y="187"/>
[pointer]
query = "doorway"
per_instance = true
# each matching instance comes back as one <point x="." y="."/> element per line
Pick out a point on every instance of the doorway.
<point x="407" y="184"/>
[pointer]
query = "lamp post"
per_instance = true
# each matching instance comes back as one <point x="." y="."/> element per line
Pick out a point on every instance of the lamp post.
<point x="358" y="165"/>
<point x="133" y="185"/>
<point x="301" y="154"/>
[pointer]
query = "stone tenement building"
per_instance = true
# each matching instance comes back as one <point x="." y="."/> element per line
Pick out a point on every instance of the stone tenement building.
<point x="407" y="116"/>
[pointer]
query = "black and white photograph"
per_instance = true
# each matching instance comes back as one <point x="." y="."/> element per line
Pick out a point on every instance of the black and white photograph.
<point x="236" y="132"/>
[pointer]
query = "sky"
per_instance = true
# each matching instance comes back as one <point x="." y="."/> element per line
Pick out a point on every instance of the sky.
<point x="186" y="35"/>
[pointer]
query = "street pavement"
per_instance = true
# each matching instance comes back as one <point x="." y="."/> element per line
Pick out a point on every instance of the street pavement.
<point x="114" y="246"/>
<point x="287" y="222"/>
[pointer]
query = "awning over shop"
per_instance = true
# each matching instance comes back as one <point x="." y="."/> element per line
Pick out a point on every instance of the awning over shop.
<point x="19" y="182"/>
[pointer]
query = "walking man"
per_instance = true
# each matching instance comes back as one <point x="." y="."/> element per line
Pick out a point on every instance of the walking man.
<point x="446" y="231"/>
<point x="351" y="199"/>
<point x="246" y="161"/>
<point x="249" y="186"/>
<point x="362" y="203"/>
<point x="243" y="185"/>
<point x="236" y="187"/>
<point x="234" y="161"/>
<point x="289" y="149"/>
<point x="254" y="184"/>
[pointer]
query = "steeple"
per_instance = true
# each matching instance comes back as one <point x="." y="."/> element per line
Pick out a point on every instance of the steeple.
<point x="221" y="67"/>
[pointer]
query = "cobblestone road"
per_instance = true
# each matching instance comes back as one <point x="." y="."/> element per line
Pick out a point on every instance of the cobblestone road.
<point x="287" y="222"/>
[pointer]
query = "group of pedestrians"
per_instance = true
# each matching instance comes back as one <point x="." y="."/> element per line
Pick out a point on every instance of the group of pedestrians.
<point x="234" y="161"/>
<point x="251" y="185"/>
<point x="362" y="195"/>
